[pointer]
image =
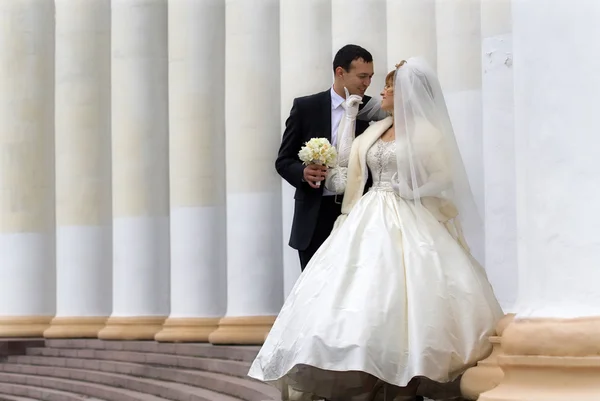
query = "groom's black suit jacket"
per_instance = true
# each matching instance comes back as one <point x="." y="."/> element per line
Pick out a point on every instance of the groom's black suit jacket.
<point x="310" y="117"/>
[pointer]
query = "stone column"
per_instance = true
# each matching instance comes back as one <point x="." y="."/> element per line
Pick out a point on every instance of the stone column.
<point x="500" y="188"/>
<point x="362" y="23"/>
<point x="27" y="268"/>
<point x="459" y="70"/>
<point x="139" y="169"/>
<point x="499" y="150"/>
<point x="411" y="31"/>
<point x="305" y="51"/>
<point x="197" y="169"/>
<point x="83" y="180"/>
<point x="254" y="259"/>
<point x="552" y="346"/>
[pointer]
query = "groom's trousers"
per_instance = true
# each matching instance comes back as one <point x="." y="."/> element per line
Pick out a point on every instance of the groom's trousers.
<point x="328" y="213"/>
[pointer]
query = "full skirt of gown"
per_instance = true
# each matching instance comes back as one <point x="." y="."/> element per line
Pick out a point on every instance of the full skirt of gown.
<point x="382" y="298"/>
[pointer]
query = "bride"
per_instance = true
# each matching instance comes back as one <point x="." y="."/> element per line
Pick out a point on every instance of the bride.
<point x="394" y="294"/>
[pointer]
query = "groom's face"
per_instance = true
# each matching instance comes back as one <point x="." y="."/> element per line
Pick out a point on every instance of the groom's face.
<point x="358" y="78"/>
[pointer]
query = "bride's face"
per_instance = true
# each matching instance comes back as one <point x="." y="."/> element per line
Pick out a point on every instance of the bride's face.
<point x="387" y="98"/>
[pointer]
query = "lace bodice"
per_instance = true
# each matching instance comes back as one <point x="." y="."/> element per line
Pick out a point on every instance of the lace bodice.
<point x="381" y="160"/>
<point x="431" y="169"/>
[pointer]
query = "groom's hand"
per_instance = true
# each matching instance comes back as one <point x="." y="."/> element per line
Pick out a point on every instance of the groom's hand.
<point x="314" y="173"/>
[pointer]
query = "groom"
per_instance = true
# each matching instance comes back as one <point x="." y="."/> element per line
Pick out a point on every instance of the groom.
<point x="318" y="116"/>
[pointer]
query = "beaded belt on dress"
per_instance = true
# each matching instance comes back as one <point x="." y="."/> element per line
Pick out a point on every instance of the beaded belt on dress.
<point x="382" y="186"/>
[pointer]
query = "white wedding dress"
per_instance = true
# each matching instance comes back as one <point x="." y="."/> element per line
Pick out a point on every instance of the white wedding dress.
<point x="377" y="298"/>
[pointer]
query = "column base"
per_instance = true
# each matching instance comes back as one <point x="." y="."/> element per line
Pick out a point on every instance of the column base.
<point x="187" y="329"/>
<point x="487" y="374"/>
<point x="549" y="360"/>
<point x="545" y="378"/>
<point x="24" y="326"/>
<point x="76" y="327"/>
<point x="247" y="330"/>
<point x="131" y="328"/>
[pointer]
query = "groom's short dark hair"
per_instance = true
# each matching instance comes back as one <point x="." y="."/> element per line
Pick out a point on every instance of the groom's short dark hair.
<point x="347" y="54"/>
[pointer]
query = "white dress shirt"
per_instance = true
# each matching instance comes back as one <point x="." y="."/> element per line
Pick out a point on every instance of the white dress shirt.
<point x="337" y="112"/>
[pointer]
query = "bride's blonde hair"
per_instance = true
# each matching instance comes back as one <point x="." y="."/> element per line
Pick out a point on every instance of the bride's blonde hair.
<point x="389" y="78"/>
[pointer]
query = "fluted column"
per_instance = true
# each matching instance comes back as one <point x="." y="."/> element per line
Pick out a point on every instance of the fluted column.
<point x="197" y="169"/>
<point x="459" y="70"/>
<point x="254" y="259"/>
<point x="411" y="31"/>
<point x="305" y="43"/>
<point x="27" y="267"/>
<point x="362" y="23"/>
<point x="83" y="180"/>
<point x="552" y="346"/>
<point x="500" y="188"/>
<point x="499" y="150"/>
<point x="139" y="169"/>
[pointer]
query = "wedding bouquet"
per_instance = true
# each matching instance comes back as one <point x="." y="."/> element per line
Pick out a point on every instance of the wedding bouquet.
<point x="318" y="151"/>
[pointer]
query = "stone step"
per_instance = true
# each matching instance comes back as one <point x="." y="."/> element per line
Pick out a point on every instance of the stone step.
<point x="74" y="387"/>
<point x="131" y="373"/>
<point x="6" y="397"/>
<point x="233" y="353"/>
<point x="17" y="392"/>
<point x="143" y="387"/>
<point x="223" y="366"/>
<point x="16" y="346"/>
